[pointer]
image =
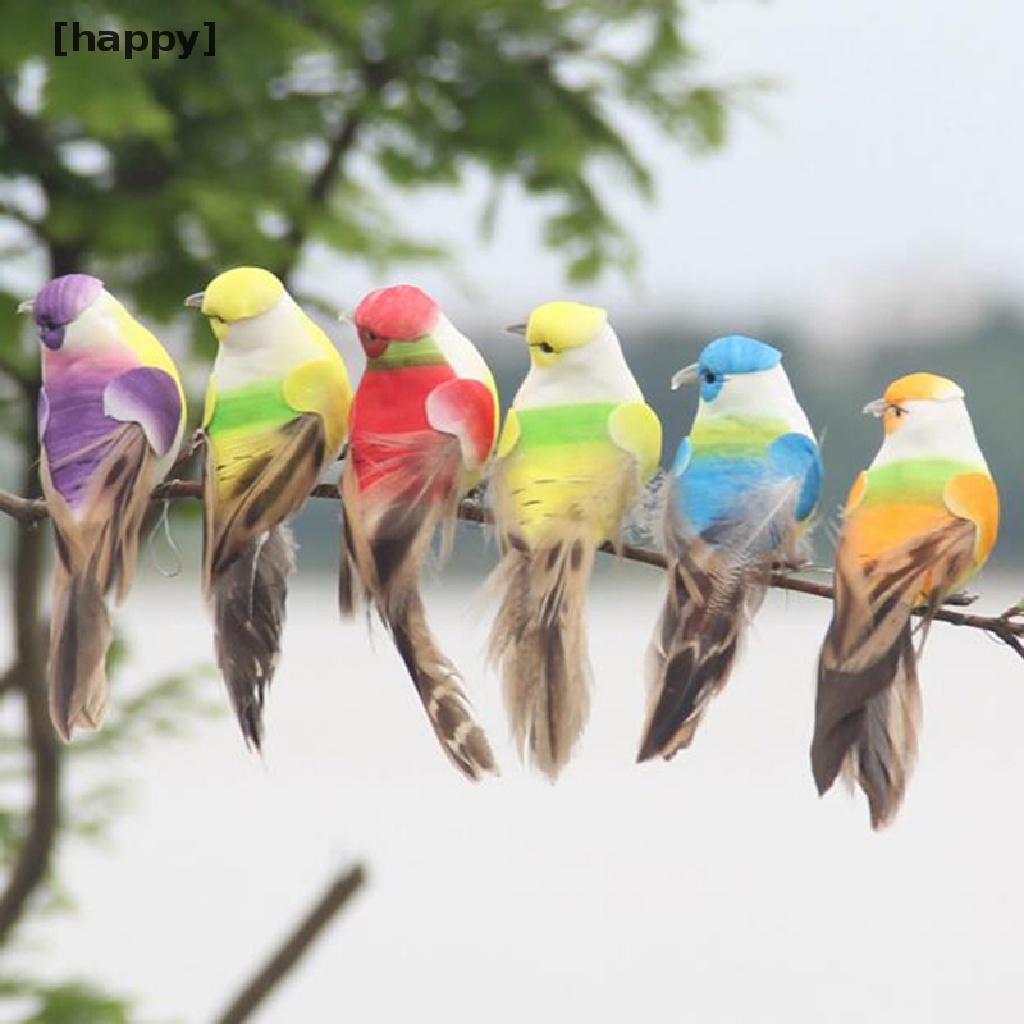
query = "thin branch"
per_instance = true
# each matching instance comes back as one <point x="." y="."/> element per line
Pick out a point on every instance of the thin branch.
<point x="1007" y="627"/>
<point x="320" y="188"/>
<point x="334" y="899"/>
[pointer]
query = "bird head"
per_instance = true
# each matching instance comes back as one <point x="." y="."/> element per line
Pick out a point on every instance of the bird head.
<point x="59" y="303"/>
<point x="916" y="404"/>
<point x="399" y="313"/>
<point x="557" y="329"/>
<point x="731" y="371"/>
<point x="242" y="293"/>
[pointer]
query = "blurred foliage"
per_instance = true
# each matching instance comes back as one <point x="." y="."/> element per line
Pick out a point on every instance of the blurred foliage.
<point x="155" y="174"/>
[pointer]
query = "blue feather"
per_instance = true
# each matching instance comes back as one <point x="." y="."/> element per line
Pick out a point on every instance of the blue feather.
<point x="795" y="455"/>
<point x="718" y="494"/>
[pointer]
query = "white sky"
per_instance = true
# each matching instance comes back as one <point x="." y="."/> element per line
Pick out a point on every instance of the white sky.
<point x="883" y="179"/>
<point x="716" y="889"/>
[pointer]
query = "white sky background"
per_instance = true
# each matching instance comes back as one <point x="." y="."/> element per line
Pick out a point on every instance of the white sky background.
<point x="717" y="889"/>
<point x="883" y="178"/>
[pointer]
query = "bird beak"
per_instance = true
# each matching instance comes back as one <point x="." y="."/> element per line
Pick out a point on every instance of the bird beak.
<point x="687" y="375"/>
<point x="875" y="408"/>
<point x="195" y="300"/>
<point x="516" y="329"/>
<point x="27" y="306"/>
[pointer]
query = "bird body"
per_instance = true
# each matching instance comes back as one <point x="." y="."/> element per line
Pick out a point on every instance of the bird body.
<point x="424" y="424"/>
<point x="743" y="490"/>
<point x="919" y="524"/>
<point x="276" y="416"/>
<point x="111" y="417"/>
<point x="577" y="449"/>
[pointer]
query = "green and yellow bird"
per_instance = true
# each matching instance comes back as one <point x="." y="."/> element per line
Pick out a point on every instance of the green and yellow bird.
<point x="577" y="449"/>
<point x="276" y="416"/>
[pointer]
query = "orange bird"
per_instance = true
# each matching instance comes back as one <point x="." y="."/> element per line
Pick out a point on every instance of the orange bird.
<point x="919" y="523"/>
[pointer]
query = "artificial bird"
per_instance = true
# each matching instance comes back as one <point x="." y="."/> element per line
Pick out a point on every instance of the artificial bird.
<point x="919" y="522"/>
<point x="742" y="491"/>
<point x="424" y="423"/>
<point x="111" y="416"/>
<point x="578" y="447"/>
<point x="276" y="417"/>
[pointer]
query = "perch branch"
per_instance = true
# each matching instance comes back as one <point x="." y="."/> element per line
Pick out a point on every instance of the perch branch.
<point x="334" y="899"/>
<point x="1007" y="627"/>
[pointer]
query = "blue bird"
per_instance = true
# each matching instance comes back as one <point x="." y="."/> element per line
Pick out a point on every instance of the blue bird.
<point x="743" y="489"/>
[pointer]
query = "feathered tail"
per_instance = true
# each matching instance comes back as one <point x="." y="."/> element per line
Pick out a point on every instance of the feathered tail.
<point x="709" y="603"/>
<point x="868" y="705"/>
<point x="79" y="637"/>
<point x="539" y="641"/>
<point x="97" y="551"/>
<point x="385" y="544"/>
<point x="248" y="600"/>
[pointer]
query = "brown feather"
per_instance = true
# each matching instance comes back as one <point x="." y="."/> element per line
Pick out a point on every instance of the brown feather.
<point x="386" y="539"/>
<point x="273" y="489"/>
<point x="79" y="637"/>
<point x="694" y="647"/>
<point x="868" y="704"/>
<point x="248" y="555"/>
<point x="248" y="600"/>
<point x="97" y="551"/>
<point x="539" y="640"/>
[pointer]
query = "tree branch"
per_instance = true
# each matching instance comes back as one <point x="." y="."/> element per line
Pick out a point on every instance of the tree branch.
<point x="319" y="189"/>
<point x="1007" y="627"/>
<point x="334" y="899"/>
<point x="27" y="675"/>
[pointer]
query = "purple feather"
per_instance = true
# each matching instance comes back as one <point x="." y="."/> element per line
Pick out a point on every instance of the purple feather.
<point x="77" y="435"/>
<point x="60" y="301"/>
<point x="150" y="397"/>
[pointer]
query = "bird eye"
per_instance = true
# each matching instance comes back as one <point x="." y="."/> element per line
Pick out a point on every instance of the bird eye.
<point x="898" y="411"/>
<point x="710" y="376"/>
<point x="545" y="347"/>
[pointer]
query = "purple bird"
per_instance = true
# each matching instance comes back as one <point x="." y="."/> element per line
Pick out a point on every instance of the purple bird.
<point x="111" y="419"/>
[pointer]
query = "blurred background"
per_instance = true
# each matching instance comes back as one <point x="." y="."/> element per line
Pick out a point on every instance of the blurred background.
<point x="842" y="180"/>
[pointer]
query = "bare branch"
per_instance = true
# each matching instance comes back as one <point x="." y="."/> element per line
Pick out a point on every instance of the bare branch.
<point x="334" y="899"/>
<point x="1007" y="626"/>
<point x="27" y="676"/>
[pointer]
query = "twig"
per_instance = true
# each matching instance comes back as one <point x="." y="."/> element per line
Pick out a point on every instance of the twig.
<point x="1007" y="626"/>
<point x="294" y="947"/>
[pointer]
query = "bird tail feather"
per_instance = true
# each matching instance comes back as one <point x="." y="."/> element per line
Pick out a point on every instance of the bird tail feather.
<point x="385" y="545"/>
<point x="868" y="704"/>
<point x="248" y="599"/>
<point x="80" y="634"/>
<point x="539" y="641"/>
<point x="709" y="602"/>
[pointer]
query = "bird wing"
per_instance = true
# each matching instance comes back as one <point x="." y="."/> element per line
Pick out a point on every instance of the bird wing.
<point x="465" y="409"/>
<point x="150" y="397"/>
<point x="321" y="386"/>
<point x="509" y="437"/>
<point x="973" y="496"/>
<point x="255" y="478"/>
<point x="635" y="427"/>
<point x="796" y="457"/>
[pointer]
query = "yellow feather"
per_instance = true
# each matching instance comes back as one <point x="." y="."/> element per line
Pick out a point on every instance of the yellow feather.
<point x="564" y="325"/>
<point x="635" y="427"/>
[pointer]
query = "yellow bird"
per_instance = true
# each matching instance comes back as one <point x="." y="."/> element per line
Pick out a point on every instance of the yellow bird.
<point x="577" y="449"/>
<point x="276" y="416"/>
